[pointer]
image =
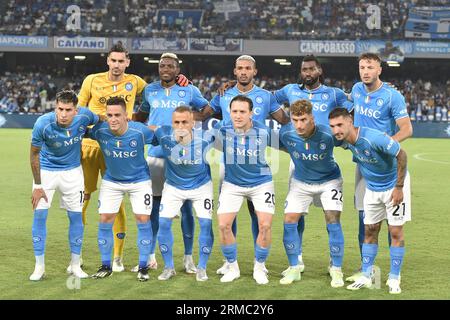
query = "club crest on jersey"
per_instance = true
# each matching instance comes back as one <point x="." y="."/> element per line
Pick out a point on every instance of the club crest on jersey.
<point x="380" y="102"/>
<point x="81" y="129"/>
<point x="57" y="145"/>
<point x="325" y="96"/>
<point x="258" y="141"/>
<point x="322" y="146"/>
<point x="296" y="155"/>
<point x="181" y="93"/>
<point x="259" y="99"/>
<point x="155" y="104"/>
<point x="107" y="153"/>
<point x="367" y="153"/>
<point x="133" y="143"/>
<point x="128" y="86"/>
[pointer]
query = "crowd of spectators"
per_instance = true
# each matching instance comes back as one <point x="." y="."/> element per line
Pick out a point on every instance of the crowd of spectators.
<point x="31" y="92"/>
<point x="254" y="19"/>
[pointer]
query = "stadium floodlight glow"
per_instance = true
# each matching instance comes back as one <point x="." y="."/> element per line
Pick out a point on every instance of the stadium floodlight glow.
<point x="180" y="61"/>
<point x="279" y="60"/>
<point x="153" y="61"/>
<point x="146" y="58"/>
<point x="67" y="58"/>
<point x="287" y="63"/>
<point x="79" y="57"/>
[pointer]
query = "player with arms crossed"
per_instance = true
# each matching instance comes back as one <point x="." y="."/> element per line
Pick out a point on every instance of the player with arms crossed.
<point x="323" y="98"/>
<point x="55" y="162"/>
<point x="188" y="177"/>
<point x="388" y="197"/>
<point x="378" y="106"/>
<point x="247" y="175"/>
<point x="316" y="178"/>
<point x="160" y="98"/>
<point x="122" y="143"/>
<point x="264" y="105"/>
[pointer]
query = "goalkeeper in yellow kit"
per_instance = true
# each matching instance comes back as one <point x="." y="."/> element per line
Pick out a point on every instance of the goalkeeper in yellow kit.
<point x="95" y="91"/>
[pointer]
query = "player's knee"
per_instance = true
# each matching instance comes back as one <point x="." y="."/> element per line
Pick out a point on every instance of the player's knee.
<point x="142" y="218"/>
<point x="224" y="227"/>
<point x="292" y="218"/>
<point x="107" y="218"/>
<point x="264" y="227"/>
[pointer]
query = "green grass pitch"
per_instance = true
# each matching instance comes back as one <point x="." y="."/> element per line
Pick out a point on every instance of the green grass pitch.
<point x="425" y="274"/>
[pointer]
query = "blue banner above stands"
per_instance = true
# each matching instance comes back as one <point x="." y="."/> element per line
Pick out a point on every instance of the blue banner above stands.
<point x="428" y="23"/>
<point x="142" y="44"/>
<point x="17" y="120"/>
<point x="23" y="41"/>
<point x="91" y="43"/>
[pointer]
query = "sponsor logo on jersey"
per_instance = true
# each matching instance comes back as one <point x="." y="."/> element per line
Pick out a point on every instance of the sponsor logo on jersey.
<point x="124" y="154"/>
<point x="167" y="104"/>
<point x="133" y="143"/>
<point x="292" y="144"/>
<point x="367" y="112"/>
<point x="73" y="140"/>
<point x="259" y="100"/>
<point x="380" y="102"/>
<point x="127" y="98"/>
<point x="129" y="86"/>
<point x="181" y="93"/>
<point x="313" y="156"/>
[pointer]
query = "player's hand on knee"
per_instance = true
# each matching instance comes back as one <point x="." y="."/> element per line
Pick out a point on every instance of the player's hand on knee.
<point x="225" y="86"/>
<point x="397" y="196"/>
<point x="182" y="80"/>
<point x="36" y="196"/>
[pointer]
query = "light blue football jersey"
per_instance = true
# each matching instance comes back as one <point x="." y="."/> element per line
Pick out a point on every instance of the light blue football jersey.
<point x="186" y="165"/>
<point x="324" y="99"/>
<point x="160" y="102"/>
<point x="376" y="152"/>
<point x="313" y="157"/>
<point x="378" y="109"/>
<point x="264" y="103"/>
<point x="244" y="153"/>
<point x="124" y="155"/>
<point x="61" y="147"/>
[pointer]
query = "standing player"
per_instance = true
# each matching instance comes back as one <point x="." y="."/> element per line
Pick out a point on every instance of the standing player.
<point x="55" y="163"/>
<point x="160" y="98"/>
<point x="122" y="144"/>
<point x="378" y="106"/>
<point x="188" y="177"/>
<point x="247" y="175"/>
<point x="383" y="165"/>
<point x="264" y="105"/>
<point x="323" y="98"/>
<point x="95" y="91"/>
<point x="316" y="177"/>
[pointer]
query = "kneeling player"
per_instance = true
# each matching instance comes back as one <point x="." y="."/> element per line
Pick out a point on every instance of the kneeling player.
<point x="383" y="166"/>
<point x="122" y="144"/>
<point x="188" y="177"/>
<point x="316" y="178"/>
<point x="247" y="175"/>
<point x="55" y="163"/>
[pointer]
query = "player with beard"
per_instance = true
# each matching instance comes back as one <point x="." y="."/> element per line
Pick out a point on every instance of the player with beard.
<point x="323" y="98"/>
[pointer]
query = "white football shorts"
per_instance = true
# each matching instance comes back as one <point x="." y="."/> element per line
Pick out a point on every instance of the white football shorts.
<point x="173" y="198"/>
<point x="70" y="183"/>
<point x="112" y="193"/>
<point x="231" y="197"/>
<point x="301" y="195"/>
<point x="378" y="206"/>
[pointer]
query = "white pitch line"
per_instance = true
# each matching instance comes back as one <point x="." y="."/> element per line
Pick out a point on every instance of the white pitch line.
<point x="418" y="156"/>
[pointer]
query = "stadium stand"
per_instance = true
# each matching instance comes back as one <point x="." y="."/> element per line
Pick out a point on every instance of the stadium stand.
<point x="256" y="19"/>
<point x="35" y="91"/>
